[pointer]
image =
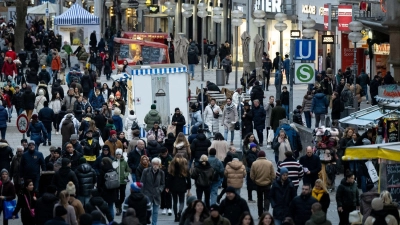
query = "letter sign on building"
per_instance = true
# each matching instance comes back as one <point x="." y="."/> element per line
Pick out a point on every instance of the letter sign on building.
<point x="271" y="5"/>
<point x="308" y="9"/>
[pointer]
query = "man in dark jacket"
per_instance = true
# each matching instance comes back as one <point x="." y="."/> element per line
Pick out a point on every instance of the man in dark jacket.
<point x="277" y="113"/>
<point x="18" y="101"/>
<point x="87" y="84"/>
<point x="60" y="214"/>
<point x="212" y="87"/>
<point x="139" y="202"/>
<point x="31" y="163"/>
<point x="134" y="158"/>
<point x="78" y="109"/>
<point x="90" y="147"/>
<point x="46" y="115"/>
<point x="64" y="175"/>
<point x="86" y="178"/>
<point x="318" y="216"/>
<point x="300" y="207"/>
<point x="319" y="107"/>
<point x="73" y="156"/>
<point x="193" y="59"/>
<point x="44" y="75"/>
<point x="259" y="119"/>
<point x="277" y="60"/>
<point x="257" y="92"/>
<point x="311" y="166"/>
<point x="46" y="205"/>
<point x="199" y="147"/>
<point x="233" y="206"/>
<point x="178" y="120"/>
<point x="281" y="194"/>
<point x="97" y="200"/>
<point x="29" y="101"/>
<point x="104" y="153"/>
<point x="267" y="67"/>
<point x="373" y="89"/>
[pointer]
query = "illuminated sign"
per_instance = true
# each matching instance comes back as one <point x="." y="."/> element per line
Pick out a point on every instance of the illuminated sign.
<point x="295" y="33"/>
<point x="308" y="9"/>
<point x="328" y="39"/>
<point x="271" y="5"/>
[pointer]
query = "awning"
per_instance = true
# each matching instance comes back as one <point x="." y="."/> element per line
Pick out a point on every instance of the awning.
<point x="389" y="151"/>
<point x="375" y="26"/>
<point x="158" y="69"/>
<point x="76" y="15"/>
<point x="366" y="116"/>
<point x="41" y="9"/>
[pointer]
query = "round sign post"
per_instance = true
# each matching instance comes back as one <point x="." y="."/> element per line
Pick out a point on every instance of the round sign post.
<point x="22" y="124"/>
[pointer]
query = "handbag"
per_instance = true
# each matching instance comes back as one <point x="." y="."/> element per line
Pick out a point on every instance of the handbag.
<point x="8" y="209"/>
<point x="32" y="211"/>
<point x="171" y="129"/>
<point x="101" y="142"/>
<point x="270" y="138"/>
<point x="355" y="217"/>
<point x="237" y="126"/>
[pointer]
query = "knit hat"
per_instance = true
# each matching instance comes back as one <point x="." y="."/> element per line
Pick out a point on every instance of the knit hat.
<point x="4" y="171"/>
<point x="35" y="117"/>
<point x="82" y="160"/>
<point x="284" y="170"/>
<point x="105" y="148"/>
<point x="31" y="142"/>
<point x="60" y="211"/>
<point x="118" y="151"/>
<point x="377" y="204"/>
<point x="214" y="207"/>
<point x="252" y="145"/>
<point x="230" y="189"/>
<point x="65" y="162"/>
<point x="136" y="186"/>
<point x="112" y="132"/>
<point x="261" y="154"/>
<point x="190" y="200"/>
<point x="153" y="106"/>
<point x="70" y="188"/>
<point x="74" y="137"/>
<point x="111" y="96"/>
<point x="58" y="150"/>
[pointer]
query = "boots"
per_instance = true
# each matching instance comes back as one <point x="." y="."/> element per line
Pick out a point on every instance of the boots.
<point x="119" y="212"/>
<point x="49" y="143"/>
<point x="178" y="217"/>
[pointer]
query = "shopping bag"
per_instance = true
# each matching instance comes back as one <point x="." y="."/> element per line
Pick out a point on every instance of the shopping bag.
<point x="101" y="142"/>
<point x="8" y="208"/>
<point x="171" y="129"/>
<point x="372" y="171"/>
<point x="112" y="65"/>
<point x="270" y="138"/>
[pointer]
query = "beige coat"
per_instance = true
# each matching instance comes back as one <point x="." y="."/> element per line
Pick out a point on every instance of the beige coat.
<point x="284" y="147"/>
<point x="235" y="172"/>
<point x="221" y="147"/>
<point x="229" y="117"/>
<point x="262" y="172"/>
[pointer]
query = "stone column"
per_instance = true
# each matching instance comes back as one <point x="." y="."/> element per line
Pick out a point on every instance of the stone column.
<point x="392" y="21"/>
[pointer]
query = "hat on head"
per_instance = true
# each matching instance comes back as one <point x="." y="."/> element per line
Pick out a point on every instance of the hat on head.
<point x="261" y="154"/>
<point x="58" y="150"/>
<point x="35" y="117"/>
<point x="252" y="145"/>
<point x="177" y="109"/>
<point x="246" y="104"/>
<point x="118" y="151"/>
<point x="82" y="160"/>
<point x="31" y="143"/>
<point x="69" y="116"/>
<point x="136" y="186"/>
<point x="74" y="137"/>
<point x="284" y="170"/>
<point x="52" y="148"/>
<point x="111" y="96"/>
<point x="44" y="67"/>
<point x="214" y="207"/>
<point x="60" y="211"/>
<point x="65" y="162"/>
<point x="190" y="200"/>
<point x="70" y="188"/>
<point x="112" y="132"/>
<point x="153" y="106"/>
<point x="377" y="204"/>
<point x="230" y="189"/>
<point x="105" y="148"/>
<point x="4" y="171"/>
<point x="88" y="131"/>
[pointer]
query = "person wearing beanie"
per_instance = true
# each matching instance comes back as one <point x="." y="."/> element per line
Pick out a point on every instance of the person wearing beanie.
<point x="77" y="204"/>
<point x="139" y="202"/>
<point x="7" y="190"/>
<point x="151" y="117"/>
<point x="105" y="152"/>
<point x="123" y="171"/>
<point x="178" y="120"/>
<point x="113" y="143"/>
<point x="64" y="175"/>
<point x="215" y="217"/>
<point x="60" y="215"/>
<point x="96" y="202"/>
<point x="233" y="205"/>
<point x="379" y="215"/>
<point x="262" y="173"/>
<point x="203" y="175"/>
<point x="217" y="165"/>
<point x="295" y="169"/>
<point x="46" y="205"/>
<point x="157" y="132"/>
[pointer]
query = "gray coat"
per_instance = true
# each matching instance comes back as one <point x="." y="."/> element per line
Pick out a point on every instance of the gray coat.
<point x="229" y="116"/>
<point x="152" y="188"/>
<point x="268" y="110"/>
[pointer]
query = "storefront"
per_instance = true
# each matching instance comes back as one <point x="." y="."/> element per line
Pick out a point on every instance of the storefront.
<point x="154" y="37"/>
<point x="381" y="57"/>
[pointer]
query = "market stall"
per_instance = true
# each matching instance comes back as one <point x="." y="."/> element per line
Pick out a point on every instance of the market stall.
<point x="132" y="50"/>
<point x="154" y="37"/>
<point x="76" y="25"/>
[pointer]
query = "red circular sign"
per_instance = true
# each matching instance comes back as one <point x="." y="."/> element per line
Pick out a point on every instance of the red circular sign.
<point x="22" y="123"/>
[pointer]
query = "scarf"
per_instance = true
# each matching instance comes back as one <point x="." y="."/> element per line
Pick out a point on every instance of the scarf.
<point x="229" y="107"/>
<point x="317" y="194"/>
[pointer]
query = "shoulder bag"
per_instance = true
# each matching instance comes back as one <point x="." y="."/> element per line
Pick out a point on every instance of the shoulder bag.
<point x="32" y="211"/>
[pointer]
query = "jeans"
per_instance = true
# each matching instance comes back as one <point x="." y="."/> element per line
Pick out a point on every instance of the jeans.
<point x="286" y="107"/>
<point x="3" y="132"/>
<point x="267" y="76"/>
<point x="262" y="199"/>
<point x="226" y="77"/>
<point x="191" y="69"/>
<point x="318" y="118"/>
<point x="69" y="61"/>
<point x="84" y="200"/>
<point x="307" y="115"/>
<point x="121" y="196"/>
<point x="260" y="135"/>
<point x="365" y="89"/>
<point x="10" y="110"/>
<point x="210" y="59"/>
<point x="181" y="197"/>
<point x="111" y="209"/>
<point x="214" y="192"/>
<point x="199" y="194"/>
<point x="278" y="91"/>
<point x="108" y="76"/>
<point x="226" y="135"/>
<point x="154" y="214"/>
<point x="133" y="177"/>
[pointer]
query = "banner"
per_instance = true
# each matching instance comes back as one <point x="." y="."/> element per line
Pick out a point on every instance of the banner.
<point x="327" y="16"/>
<point x="345" y="16"/>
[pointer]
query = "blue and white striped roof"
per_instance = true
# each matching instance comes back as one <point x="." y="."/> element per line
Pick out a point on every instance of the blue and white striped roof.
<point x="157" y="71"/>
<point x="76" y="15"/>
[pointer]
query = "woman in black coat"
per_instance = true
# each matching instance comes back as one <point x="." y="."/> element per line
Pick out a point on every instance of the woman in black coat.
<point x="178" y="120"/>
<point x="320" y="193"/>
<point x="107" y="66"/>
<point x="247" y="119"/>
<point x="6" y="155"/>
<point x="26" y="201"/>
<point x="250" y="159"/>
<point x="109" y="195"/>
<point x="335" y="106"/>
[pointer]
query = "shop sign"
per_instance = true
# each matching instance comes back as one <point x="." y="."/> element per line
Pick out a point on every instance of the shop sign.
<point x="272" y="6"/>
<point x="345" y="16"/>
<point x="327" y="16"/>
<point x="308" y="9"/>
<point x="382" y="49"/>
<point x="304" y="73"/>
<point x="295" y="33"/>
<point x="154" y="8"/>
<point x="328" y="39"/>
<point x="389" y="92"/>
<point x="305" y="49"/>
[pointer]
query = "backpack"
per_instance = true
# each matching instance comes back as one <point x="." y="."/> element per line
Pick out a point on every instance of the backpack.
<point x="212" y="51"/>
<point x="111" y="180"/>
<point x="135" y="126"/>
<point x="291" y="133"/>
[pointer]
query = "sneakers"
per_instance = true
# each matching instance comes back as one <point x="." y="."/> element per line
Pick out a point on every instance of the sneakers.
<point x="164" y="212"/>
<point x="57" y="132"/>
<point x="367" y="102"/>
<point x="169" y="212"/>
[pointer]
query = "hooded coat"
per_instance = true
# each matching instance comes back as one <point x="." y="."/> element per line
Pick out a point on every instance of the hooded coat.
<point x="319" y="104"/>
<point x="233" y="209"/>
<point x="307" y="103"/>
<point x="62" y="177"/>
<point x="39" y="101"/>
<point x="29" y="99"/>
<point x="46" y="205"/>
<point x="281" y="195"/>
<point x="44" y="75"/>
<point x="86" y="178"/>
<point x="151" y="117"/>
<point x="210" y="120"/>
<point x="199" y="146"/>
<point x="300" y="208"/>
<point x="202" y="174"/>
<point x="347" y="194"/>
<point x="139" y="203"/>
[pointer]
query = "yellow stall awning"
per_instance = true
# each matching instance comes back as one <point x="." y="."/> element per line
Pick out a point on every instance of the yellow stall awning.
<point x="389" y="151"/>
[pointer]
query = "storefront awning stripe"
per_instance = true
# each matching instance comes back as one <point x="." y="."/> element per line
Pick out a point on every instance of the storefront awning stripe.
<point x="76" y="15"/>
<point x="389" y="151"/>
<point x="158" y="71"/>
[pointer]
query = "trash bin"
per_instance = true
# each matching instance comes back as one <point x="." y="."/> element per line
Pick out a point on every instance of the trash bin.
<point x="220" y="77"/>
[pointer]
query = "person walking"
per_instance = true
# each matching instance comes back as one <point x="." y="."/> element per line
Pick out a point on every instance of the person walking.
<point x="311" y="166"/>
<point x="212" y="112"/>
<point x="277" y="113"/>
<point x="295" y="169"/>
<point x="137" y="201"/>
<point x="31" y="163"/>
<point x="87" y="178"/>
<point x="123" y="170"/>
<point x="306" y="105"/>
<point x="7" y="192"/>
<point x="235" y="171"/>
<point x="193" y="58"/>
<point x="220" y="145"/>
<point x="300" y="207"/>
<point x="319" y="107"/>
<point x="281" y="145"/>
<point x="233" y="206"/>
<point x="259" y="116"/>
<point x="108" y="193"/>
<point x="347" y="197"/>
<point x="26" y="203"/>
<point x="71" y="216"/>
<point x="364" y="83"/>
<point x="178" y="120"/>
<point x="229" y="118"/>
<point x="318" y="216"/>
<point x="320" y="193"/>
<point x="218" y="167"/>
<point x="227" y="65"/>
<point x="203" y="176"/>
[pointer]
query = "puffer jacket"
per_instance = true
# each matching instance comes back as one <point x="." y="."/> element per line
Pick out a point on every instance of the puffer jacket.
<point x="347" y="194"/>
<point x="199" y="146"/>
<point x="235" y="172"/>
<point x="3" y="117"/>
<point x="307" y="103"/>
<point x="365" y="203"/>
<point x="153" y="148"/>
<point x="62" y="177"/>
<point x="46" y="205"/>
<point x="202" y="174"/>
<point x="29" y="99"/>
<point x="123" y="170"/>
<point x="86" y="178"/>
<point x="318" y="218"/>
<point x="280" y="196"/>
<point x="96" y="101"/>
<point x="101" y="204"/>
<point x="128" y="125"/>
<point x="319" y="104"/>
<point x="152" y="117"/>
<point x="297" y="118"/>
<point x="44" y="75"/>
<point x="300" y="208"/>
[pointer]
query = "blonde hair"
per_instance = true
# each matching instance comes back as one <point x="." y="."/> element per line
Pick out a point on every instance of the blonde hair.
<point x="321" y="183"/>
<point x="178" y="163"/>
<point x="64" y="198"/>
<point x="181" y="138"/>
<point x="386" y="197"/>
<point x="203" y="159"/>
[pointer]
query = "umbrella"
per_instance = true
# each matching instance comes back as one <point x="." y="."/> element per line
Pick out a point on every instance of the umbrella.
<point x="258" y="51"/>
<point x="245" y="48"/>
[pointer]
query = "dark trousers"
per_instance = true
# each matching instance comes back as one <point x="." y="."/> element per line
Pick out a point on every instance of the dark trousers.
<point x="344" y="216"/>
<point x="210" y="59"/>
<point x="267" y="76"/>
<point x="121" y="196"/>
<point x="262" y="199"/>
<point x="249" y="195"/>
<point x="69" y="61"/>
<point x="207" y="193"/>
<point x="181" y="197"/>
<point x="166" y="200"/>
<point x="260" y="135"/>
<point x="55" y="124"/>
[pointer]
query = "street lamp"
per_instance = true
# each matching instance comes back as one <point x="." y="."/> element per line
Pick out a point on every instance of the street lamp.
<point x="217" y="18"/>
<point x="236" y="22"/>
<point x="259" y="15"/>
<point x="309" y="23"/>
<point x="202" y="13"/>
<point x="170" y="11"/>
<point x="280" y="26"/>
<point x="355" y="36"/>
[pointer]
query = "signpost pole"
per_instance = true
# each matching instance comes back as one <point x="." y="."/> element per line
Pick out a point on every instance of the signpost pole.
<point x="291" y="79"/>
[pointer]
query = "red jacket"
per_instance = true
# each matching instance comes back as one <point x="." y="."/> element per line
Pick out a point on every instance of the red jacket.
<point x="9" y="68"/>
<point x="11" y="54"/>
<point x="7" y="100"/>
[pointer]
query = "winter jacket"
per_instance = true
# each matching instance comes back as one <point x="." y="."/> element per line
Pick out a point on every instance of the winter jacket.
<point x="193" y="53"/>
<point x="140" y="203"/>
<point x="210" y="120"/>
<point x="182" y="149"/>
<point x="153" y="148"/>
<point x="29" y="99"/>
<point x="90" y="149"/>
<point x="22" y="204"/>
<point x="31" y="162"/>
<point x="278" y="113"/>
<point x="336" y="109"/>
<point x="202" y="174"/>
<point x="17" y="100"/>
<point x="46" y="115"/>
<point x="235" y="172"/>
<point x="109" y="195"/>
<point x="307" y="103"/>
<point x="118" y="123"/>
<point x="44" y="76"/>
<point x="258" y="117"/>
<point x="37" y="132"/>
<point x="67" y="130"/>
<point x="3" y="117"/>
<point x="57" y="88"/>
<point x="151" y="117"/>
<point x="221" y="221"/>
<point x="69" y="102"/>
<point x="217" y="165"/>
<point x="62" y="177"/>
<point x="324" y="200"/>
<point x="233" y="209"/>
<point x="280" y="196"/>
<point x="247" y="120"/>
<point x="158" y="134"/>
<point x="96" y="101"/>
<point x="74" y="158"/>
<point x="101" y="204"/>
<point x="178" y="183"/>
<point x="297" y="118"/>
<point x="86" y="178"/>
<point x="365" y="203"/>
<point x="39" y="101"/>
<point x="313" y="164"/>
<point x="134" y="159"/>
<point x="229" y="116"/>
<point x="9" y="69"/>
<point x="7" y="190"/>
<point x="197" y="119"/>
<point x="153" y="184"/>
<point x="123" y="170"/>
<point x="347" y="96"/>
<point x="128" y="124"/>
<point x="199" y="146"/>
<point x="113" y="146"/>
<point x="294" y="168"/>
<point x="180" y="119"/>
<point x="221" y="147"/>
<point x="42" y="59"/>
<point x="46" y="205"/>
<point x="300" y="208"/>
<point x="32" y="76"/>
<point x="87" y="83"/>
<point x="262" y="172"/>
<point x="318" y="218"/>
<point x="257" y="93"/>
<point x="319" y="104"/>
<point x="6" y="155"/>
<point x="347" y="194"/>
